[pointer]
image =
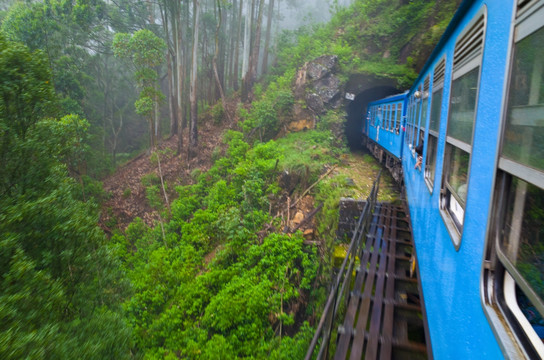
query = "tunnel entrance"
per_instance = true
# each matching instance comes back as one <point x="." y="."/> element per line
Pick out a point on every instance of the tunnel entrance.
<point x="356" y="108"/>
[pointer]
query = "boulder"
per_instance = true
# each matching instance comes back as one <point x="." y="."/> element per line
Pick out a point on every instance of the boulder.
<point x="328" y="88"/>
<point x="319" y="89"/>
<point x="321" y="66"/>
<point x="315" y="103"/>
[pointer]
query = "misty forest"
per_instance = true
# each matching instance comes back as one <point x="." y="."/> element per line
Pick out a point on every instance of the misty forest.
<point x="170" y="170"/>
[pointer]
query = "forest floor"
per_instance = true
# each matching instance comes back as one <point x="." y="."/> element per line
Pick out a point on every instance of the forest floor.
<point x="127" y="192"/>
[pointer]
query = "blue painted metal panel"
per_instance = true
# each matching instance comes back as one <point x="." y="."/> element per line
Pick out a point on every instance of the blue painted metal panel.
<point x="450" y="278"/>
<point x="389" y="140"/>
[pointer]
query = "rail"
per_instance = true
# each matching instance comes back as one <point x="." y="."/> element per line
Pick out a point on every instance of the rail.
<point x="341" y="284"/>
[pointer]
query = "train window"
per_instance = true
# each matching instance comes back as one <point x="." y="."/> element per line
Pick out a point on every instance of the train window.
<point x="514" y="280"/>
<point x="424" y="105"/>
<point x="434" y="123"/>
<point x="462" y="110"/>
<point x="399" y="117"/>
<point x="387" y="116"/>
<point x="408" y="121"/>
<point x="416" y="120"/>
<point x="524" y="133"/>
<point x="391" y="117"/>
<point x="393" y="112"/>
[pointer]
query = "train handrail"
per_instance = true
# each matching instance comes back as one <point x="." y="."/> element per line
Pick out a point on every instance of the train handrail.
<point x="334" y="300"/>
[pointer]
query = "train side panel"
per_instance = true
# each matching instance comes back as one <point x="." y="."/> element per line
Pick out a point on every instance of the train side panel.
<point x="449" y="262"/>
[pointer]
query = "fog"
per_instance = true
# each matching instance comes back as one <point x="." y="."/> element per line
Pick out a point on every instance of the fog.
<point x="297" y="13"/>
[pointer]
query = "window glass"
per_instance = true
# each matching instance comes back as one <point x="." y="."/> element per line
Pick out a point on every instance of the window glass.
<point x="436" y="103"/>
<point x="393" y="114"/>
<point x="457" y="170"/>
<point x="399" y="115"/>
<point x="417" y="105"/>
<point x="430" y="164"/>
<point x="463" y="104"/>
<point x="387" y="113"/>
<point x="424" y="112"/>
<point x="530" y="311"/>
<point x="408" y="122"/>
<point x="524" y="131"/>
<point x="523" y="240"/>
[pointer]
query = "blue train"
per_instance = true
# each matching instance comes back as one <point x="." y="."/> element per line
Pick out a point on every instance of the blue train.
<point x="467" y="141"/>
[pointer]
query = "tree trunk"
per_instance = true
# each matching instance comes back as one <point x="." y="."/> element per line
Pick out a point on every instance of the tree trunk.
<point x="255" y="49"/>
<point x="217" y="79"/>
<point x="177" y="38"/>
<point x="245" y="58"/>
<point x="171" y="95"/>
<point x="237" y="48"/>
<point x="193" y="131"/>
<point x="268" y="32"/>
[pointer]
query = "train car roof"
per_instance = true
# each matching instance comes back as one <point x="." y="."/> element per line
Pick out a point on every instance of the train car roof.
<point x="456" y="19"/>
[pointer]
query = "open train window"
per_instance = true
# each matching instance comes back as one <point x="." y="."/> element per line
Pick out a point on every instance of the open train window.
<point x="399" y="118"/>
<point x="408" y="121"/>
<point x="424" y="106"/>
<point x="387" y="116"/>
<point x="434" y="123"/>
<point x="393" y="115"/>
<point x="467" y="58"/>
<point x="513" y="277"/>
<point x="422" y="123"/>
<point x="416" y="120"/>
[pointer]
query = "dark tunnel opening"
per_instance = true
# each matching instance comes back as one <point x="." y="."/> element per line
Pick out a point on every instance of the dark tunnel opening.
<point x="356" y="109"/>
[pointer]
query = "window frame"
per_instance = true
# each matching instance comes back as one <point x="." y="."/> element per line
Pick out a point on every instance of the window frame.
<point x="499" y="274"/>
<point x="398" y="118"/>
<point x="436" y="87"/>
<point x="449" y="198"/>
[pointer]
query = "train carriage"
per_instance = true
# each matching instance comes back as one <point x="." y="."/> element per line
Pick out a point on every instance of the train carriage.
<point x="385" y="129"/>
<point x="476" y="197"/>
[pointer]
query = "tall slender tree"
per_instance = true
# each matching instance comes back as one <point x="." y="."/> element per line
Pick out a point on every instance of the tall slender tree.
<point x="193" y="130"/>
<point x="216" y="54"/>
<point x="268" y="33"/>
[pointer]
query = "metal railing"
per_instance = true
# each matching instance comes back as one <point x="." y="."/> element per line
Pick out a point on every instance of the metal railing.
<point x="340" y="287"/>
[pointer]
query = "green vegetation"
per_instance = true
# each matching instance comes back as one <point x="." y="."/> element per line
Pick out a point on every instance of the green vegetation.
<point x="219" y="276"/>
<point x="60" y="285"/>
<point x="219" y="282"/>
<point x="379" y="37"/>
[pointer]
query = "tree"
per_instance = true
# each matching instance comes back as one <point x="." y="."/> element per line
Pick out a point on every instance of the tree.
<point x="216" y="54"/>
<point x="146" y="51"/>
<point x="193" y="131"/>
<point x="59" y="287"/>
<point x="268" y="33"/>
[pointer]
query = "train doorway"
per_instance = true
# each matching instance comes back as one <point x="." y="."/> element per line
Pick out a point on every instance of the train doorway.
<point x="355" y="112"/>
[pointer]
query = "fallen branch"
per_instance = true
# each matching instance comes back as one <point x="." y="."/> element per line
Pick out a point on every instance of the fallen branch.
<point x="307" y="218"/>
<point x="314" y="184"/>
<point x="162" y="183"/>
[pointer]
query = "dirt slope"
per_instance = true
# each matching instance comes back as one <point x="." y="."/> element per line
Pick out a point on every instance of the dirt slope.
<point x="127" y="193"/>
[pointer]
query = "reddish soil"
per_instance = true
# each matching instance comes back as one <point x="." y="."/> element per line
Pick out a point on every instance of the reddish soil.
<point x="127" y="193"/>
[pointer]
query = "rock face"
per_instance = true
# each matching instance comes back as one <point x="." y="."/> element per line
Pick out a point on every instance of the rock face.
<point x="319" y="89"/>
